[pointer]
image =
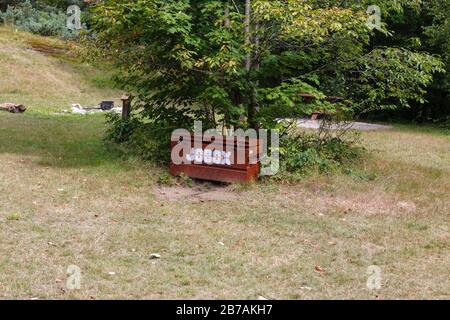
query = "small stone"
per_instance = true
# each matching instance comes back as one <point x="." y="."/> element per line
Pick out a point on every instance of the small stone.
<point x="221" y="243"/>
<point x="262" y="298"/>
<point x="155" y="256"/>
<point x="111" y="273"/>
<point x="318" y="269"/>
<point x="306" y="288"/>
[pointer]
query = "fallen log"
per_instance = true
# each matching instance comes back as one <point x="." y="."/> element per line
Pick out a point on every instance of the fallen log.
<point x="12" y="107"/>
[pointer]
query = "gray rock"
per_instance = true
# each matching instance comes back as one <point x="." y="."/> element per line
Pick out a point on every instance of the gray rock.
<point x="155" y="256"/>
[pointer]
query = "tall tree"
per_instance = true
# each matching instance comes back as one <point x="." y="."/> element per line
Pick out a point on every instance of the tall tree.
<point x="184" y="64"/>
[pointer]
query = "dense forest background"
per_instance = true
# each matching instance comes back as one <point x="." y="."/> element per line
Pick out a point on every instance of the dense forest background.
<point x="418" y="25"/>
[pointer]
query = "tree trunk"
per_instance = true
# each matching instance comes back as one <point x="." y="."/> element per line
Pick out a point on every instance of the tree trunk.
<point x="227" y="14"/>
<point x="248" y="12"/>
<point x="253" y="103"/>
<point x="248" y="59"/>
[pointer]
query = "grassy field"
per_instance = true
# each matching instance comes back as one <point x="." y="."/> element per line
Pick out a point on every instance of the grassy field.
<point x="66" y="199"/>
<point x="38" y="73"/>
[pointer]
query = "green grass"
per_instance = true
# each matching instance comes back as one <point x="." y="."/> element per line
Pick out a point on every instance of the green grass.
<point x="63" y="141"/>
<point x="13" y="216"/>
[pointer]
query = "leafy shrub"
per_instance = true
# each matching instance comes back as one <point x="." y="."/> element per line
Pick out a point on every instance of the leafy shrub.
<point x="305" y="152"/>
<point x="150" y="140"/>
<point x="166" y="179"/>
<point x="148" y="131"/>
<point x="47" y="21"/>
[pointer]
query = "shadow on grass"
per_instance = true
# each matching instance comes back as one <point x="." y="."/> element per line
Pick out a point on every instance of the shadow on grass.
<point x="59" y="141"/>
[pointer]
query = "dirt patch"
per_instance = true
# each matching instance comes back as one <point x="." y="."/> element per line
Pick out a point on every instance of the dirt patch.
<point x="367" y="203"/>
<point x="195" y="194"/>
<point x="174" y="193"/>
<point x="48" y="50"/>
<point x="406" y="207"/>
<point x="218" y="195"/>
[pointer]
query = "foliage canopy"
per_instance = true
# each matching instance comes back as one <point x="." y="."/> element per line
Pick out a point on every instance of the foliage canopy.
<point x="203" y="59"/>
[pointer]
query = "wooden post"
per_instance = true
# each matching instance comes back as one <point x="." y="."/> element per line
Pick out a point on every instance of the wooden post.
<point x="126" y="106"/>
